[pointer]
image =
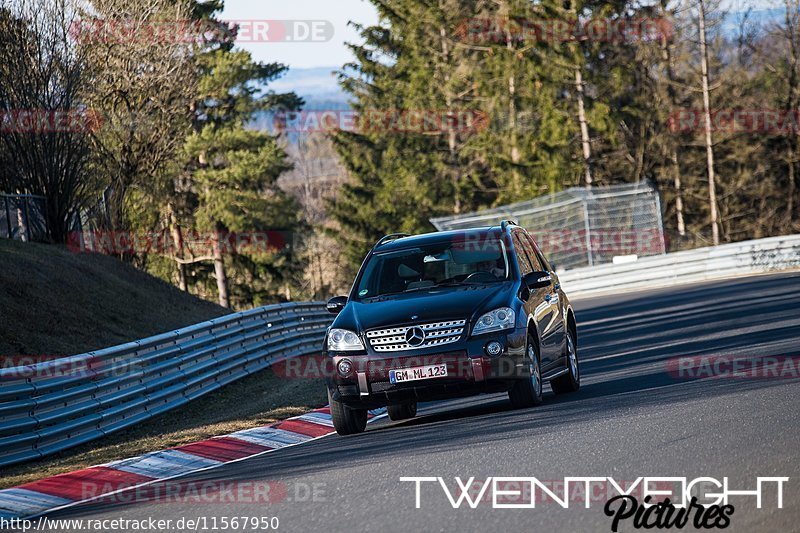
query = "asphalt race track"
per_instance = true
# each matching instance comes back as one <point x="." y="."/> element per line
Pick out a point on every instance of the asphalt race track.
<point x="631" y="418"/>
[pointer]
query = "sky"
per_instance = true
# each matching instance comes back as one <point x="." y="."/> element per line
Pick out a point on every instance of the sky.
<point x="331" y="18"/>
<point x="330" y="29"/>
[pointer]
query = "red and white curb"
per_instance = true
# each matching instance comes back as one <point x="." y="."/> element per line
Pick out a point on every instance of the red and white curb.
<point x="65" y="490"/>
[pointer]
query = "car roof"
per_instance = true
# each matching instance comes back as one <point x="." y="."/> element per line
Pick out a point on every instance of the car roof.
<point x="434" y="237"/>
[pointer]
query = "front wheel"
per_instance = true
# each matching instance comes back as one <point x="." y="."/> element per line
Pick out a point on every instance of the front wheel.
<point x="347" y="420"/>
<point x="403" y="411"/>
<point x="571" y="381"/>
<point x="528" y="392"/>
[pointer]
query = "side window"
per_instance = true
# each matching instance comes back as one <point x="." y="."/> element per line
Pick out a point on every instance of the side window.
<point x="525" y="266"/>
<point x="529" y="249"/>
<point x="536" y="253"/>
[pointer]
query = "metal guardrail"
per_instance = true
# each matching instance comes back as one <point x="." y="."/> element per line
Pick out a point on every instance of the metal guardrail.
<point x="716" y="262"/>
<point x="52" y="406"/>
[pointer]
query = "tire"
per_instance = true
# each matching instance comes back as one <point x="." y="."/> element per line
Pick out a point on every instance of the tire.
<point x="571" y="381"/>
<point x="346" y="420"/>
<point x="403" y="411"/>
<point x="528" y="392"/>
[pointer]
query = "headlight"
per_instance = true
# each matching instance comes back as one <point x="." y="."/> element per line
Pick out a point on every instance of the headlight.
<point x="343" y="340"/>
<point x="497" y="320"/>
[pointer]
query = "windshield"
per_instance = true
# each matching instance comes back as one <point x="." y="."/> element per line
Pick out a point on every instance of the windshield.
<point x="433" y="265"/>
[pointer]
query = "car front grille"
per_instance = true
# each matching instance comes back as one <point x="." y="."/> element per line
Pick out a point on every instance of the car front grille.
<point x="435" y="334"/>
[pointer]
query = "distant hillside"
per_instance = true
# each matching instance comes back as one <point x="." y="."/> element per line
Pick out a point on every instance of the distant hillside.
<point x="54" y="302"/>
<point x="318" y="86"/>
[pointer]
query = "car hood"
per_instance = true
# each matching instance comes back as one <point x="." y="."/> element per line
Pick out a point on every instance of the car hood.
<point x="430" y="305"/>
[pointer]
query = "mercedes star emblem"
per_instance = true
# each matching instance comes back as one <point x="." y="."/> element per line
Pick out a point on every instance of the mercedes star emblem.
<point x="415" y="336"/>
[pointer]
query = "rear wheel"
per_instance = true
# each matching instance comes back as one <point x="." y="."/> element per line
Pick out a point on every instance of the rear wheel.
<point x="347" y="420"/>
<point x="528" y="392"/>
<point x="571" y="381"/>
<point x="403" y="411"/>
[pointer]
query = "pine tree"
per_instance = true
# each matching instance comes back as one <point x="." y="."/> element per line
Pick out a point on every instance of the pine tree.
<point x="402" y="178"/>
<point x="224" y="184"/>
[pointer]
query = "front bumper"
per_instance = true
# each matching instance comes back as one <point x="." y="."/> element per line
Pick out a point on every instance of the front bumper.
<point x="469" y="371"/>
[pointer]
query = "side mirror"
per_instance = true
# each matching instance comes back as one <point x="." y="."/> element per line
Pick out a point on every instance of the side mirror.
<point x="537" y="280"/>
<point x="336" y="304"/>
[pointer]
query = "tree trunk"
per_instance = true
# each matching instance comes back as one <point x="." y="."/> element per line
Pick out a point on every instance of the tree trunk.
<point x="182" y="284"/>
<point x="792" y="190"/>
<point x="219" y="267"/>
<point x="512" y="116"/>
<point x="587" y="150"/>
<point x="22" y="223"/>
<point x="712" y="188"/>
<point x="177" y="239"/>
<point x="116" y="205"/>
<point x="451" y="133"/>
<point x="676" y="177"/>
<point x="793" y="100"/>
<point x="575" y="50"/>
<point x="675" y="169"/>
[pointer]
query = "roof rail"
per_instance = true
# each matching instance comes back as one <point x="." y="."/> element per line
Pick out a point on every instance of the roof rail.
<point x="505" y="223"/>
<point x="391" y="237"/>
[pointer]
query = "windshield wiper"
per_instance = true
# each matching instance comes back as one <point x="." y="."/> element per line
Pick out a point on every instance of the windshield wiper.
<point x="394" y="293"/>
<point x="468" y="282"/>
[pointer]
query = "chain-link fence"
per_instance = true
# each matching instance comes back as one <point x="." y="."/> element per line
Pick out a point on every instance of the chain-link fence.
<point x="582" y="227"/>
<point x="23" y="217"/>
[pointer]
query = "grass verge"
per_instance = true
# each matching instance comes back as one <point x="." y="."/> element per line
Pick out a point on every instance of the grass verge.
<point x="54" y="302"/>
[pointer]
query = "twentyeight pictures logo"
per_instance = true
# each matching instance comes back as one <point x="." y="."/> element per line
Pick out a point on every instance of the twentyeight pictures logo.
<point x="666" y="502"/>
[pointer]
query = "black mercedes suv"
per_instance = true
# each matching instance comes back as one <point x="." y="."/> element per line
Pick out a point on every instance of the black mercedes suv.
<point x="449" y="314"/>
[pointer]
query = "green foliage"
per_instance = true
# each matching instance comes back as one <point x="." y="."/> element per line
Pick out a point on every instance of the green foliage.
<point x="221" y="177"/>
<point x="439" y="56"/>
<point x="485" y="57"/>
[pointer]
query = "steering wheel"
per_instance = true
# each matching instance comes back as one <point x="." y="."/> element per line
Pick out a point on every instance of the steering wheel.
<point x="481" y="276"/>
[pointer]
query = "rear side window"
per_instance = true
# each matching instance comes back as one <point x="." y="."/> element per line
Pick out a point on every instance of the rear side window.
<point x="534" y="259"/>
<point x="538" y="253"/>
<point x="525" y="265"/>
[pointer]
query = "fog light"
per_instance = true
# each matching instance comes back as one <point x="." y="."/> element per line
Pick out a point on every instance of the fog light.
<point x="494" y="348"/>
<point x="345" y="367"/>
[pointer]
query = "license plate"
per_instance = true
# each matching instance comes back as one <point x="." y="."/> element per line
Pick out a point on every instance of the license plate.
<point x="417" y="372"/>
